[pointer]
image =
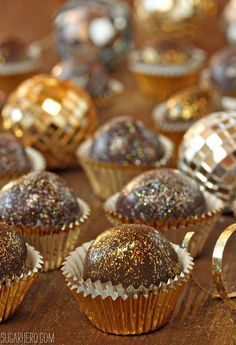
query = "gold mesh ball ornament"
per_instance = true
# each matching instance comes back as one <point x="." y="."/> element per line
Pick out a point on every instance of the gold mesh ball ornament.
<point x="52" y="115"/>
<point x="208" y="154"/>
<point x="177" y="17"/>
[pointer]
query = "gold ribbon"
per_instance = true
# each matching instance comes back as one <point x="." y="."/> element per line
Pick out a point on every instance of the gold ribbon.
<point x="217" y="259"/>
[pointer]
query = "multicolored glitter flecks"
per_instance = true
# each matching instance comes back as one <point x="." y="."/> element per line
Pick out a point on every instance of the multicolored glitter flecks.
<point x="161" y="195"/>
<point x="125" y="140"/>
<point x="39" y="199"/>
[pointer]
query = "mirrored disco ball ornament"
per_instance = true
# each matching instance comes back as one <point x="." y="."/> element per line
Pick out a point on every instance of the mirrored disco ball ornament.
<point x="208" y="154"/>
<point x="96" y="28"/>
<point x="177" y="17"/>
<point x="52" y="115"/>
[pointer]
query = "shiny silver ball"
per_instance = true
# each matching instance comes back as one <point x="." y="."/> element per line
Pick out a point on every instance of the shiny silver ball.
<point x="208" y="154"/>
<point x="99" y="29"/>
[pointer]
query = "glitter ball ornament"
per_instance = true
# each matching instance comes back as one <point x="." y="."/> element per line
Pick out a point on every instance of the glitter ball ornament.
<point x="99" y="29"/>
<point x="208" y="154"/>
<point x="177" y="17"/>
<point x="52" y="115"/>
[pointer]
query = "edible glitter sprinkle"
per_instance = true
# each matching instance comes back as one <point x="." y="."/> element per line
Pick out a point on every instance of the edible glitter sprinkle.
<point x="131" y="255"/>
<point x="161" y="195"/>
<point x="126" y="141"/>
<point x="13" y="158"/>
<point x="13" y="252"/>
<point x="39" y="199"/>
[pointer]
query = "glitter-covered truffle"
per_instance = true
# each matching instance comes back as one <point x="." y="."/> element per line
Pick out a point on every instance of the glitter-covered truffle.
<point x="223" y="70"/>
<point x="166" y="52"/>
<point x="131" y="255"/>
<point x="39" y="199"/>
<point x="13" y="252"/>
<point x="125" y="140"/>
<point x="161" y="195"/>
<point x="191" y="104"/>
<point x="91" y="76"/>
<point x="13" y="158"/>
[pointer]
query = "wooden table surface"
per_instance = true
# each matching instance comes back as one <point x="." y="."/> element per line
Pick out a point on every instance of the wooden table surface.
<point x="50" y="307"/>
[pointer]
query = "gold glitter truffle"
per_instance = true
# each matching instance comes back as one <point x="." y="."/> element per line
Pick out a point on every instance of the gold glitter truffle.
<point x="165" y="53"/>
<point x="13" y="252"/>
<point x="131" y="255"/>
<point x="191" y="104"/>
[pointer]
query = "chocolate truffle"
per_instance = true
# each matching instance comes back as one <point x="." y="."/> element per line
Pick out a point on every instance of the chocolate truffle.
<point x="166" y="52"/>
<point x="90" y="76"/>
<point x="12" y="50"/>
<point x="13" y="158"/>
<point x="161" y="195"/>
<point x="131" y="255"/>
<point x="223" y="70"/>
<point x="125" y="140"/>
<point x="39" y="199"/>
<point x="13" y="252"/>
<point x="191" y="104"/>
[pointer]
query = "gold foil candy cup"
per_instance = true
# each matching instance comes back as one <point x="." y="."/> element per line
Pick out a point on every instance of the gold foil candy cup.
<point x="56" y="243"/>
<point x="115" y="88"/>
<point x="175" y="230"/>
<point x="217" y="266"/>
<point x="116" y="310"/>
<point x="108" y="178"/>
<point x="14" y="290"/>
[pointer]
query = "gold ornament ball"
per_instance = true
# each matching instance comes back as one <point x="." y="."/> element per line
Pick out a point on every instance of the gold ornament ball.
<point x="208" y="154"/>
<point x="177" y="17"/>
<point x="52" y="115"/>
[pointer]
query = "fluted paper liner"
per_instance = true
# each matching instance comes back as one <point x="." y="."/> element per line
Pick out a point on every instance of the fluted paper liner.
<point x="37" y="161"/>
<point x="175" y="230"/>
<point x="116" y="310"/>
<point x="108" y="178"/>
<point x="13" y="291"/>
<point x="55" y="243"/>
<point x="114" y="89"/>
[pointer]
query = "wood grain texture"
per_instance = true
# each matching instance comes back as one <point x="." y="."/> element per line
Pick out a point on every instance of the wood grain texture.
<point x="199" y="319"/>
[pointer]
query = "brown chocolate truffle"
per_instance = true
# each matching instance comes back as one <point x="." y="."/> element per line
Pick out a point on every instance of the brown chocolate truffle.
<point x="167" y="52"/>
<point x="12" y="50"/>
<point x="39" y="199"/>
<point x="131" y="255"/>
<point x="13" y="158"/>
<point x="223" y="70"/>
<point x="191" y="104"/>
<point x="161" y="195"/>
<point x="13" y="252"/>
<point x="125" y="140"/>
<point x="89" y="75"/>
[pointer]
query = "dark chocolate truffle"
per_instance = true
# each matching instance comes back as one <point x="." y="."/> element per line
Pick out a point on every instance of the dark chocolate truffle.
<point x="125" y="140"/>
<point x="88" y="75"/>
<point x="187" y="106"/>
<point x="167" y="52"/>
<point x="131" y="255"/>
<point x="161" y="195"/>
<point x="13" y="252"/>
<point x="39" y="199"/>
<point x="12" y="50"/>
<point x="13" y="158"/>
<point x="223" y="70"/>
